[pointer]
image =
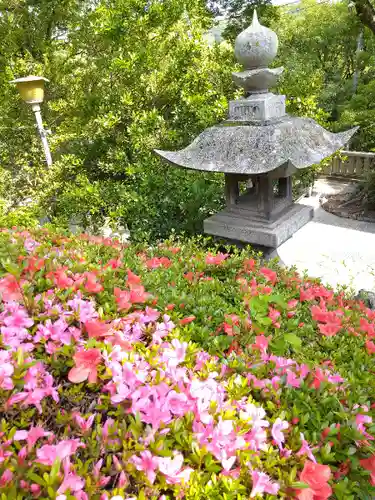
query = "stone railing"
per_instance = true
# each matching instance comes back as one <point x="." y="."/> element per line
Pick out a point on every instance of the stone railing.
<point x="353" y="164"/>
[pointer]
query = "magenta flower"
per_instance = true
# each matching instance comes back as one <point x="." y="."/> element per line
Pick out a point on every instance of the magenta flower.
<point x="71" y="481"/>
<point x="177" y="403"/>
<point x="48" y="453"/>
<point x="277" y="434"/>
<point x="305" y="449"/>
<point x="6" y="477"/>
<point x="31" y="436"/>
<point x="292" y="379"/>
<point x="6" y="371"/>
<point x="84" y="425"/>
<point x="173" y="357"/>
<point x="360" y="420"/>
<point x="262" y="484"/>
<point x="172" y="469"/>
<point x="146" y="463"/>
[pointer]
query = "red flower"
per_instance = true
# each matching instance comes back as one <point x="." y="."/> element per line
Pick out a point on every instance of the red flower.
<point x="138" y="295"/>
<point x="343" y="470"/>
<point x="125" y="299"/>
<point x="10" y="288"/>
<point x="232" y="321"/>
<point x="92" y="285"/>
<point x="249" y="264"/>
<point x="173" y="250"/>
<point x="370" y="347"/>
<point x="369" y="464"/>
<point x="96" y="328"/>
<point x="367" y="327"/>
<point x="156" y="262"/>
<point x="269" y="274"/>
<point x="86" y="363"/>
<point x="316" y="476"/>
<point x="216" y="259"/>
<point x="274" y="314"/>
<point x="319" y="377"/>
<point x="187" y="320"/>
<point x="306" y="295"/>
<point x="133" y="279"/>
<point x="61" y="279"/>
<point x="329" y="329"/>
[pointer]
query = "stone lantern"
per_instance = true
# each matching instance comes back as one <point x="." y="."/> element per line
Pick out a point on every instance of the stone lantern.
<point x="260" y="146"/>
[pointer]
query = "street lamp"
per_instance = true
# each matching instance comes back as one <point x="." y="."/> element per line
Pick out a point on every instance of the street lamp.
<point x="31" y="89"/>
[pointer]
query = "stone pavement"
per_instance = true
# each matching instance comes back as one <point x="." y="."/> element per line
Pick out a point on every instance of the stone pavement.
<point x="337" y="250"/>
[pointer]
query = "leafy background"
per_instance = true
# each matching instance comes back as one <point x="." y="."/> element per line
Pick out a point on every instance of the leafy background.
<point x="127" y="76"/>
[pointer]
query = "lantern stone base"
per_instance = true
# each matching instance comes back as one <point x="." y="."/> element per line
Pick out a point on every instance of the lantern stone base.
<point x="236" y="225"/>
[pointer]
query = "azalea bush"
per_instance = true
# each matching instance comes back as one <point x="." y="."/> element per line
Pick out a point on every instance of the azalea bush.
<point x="177" y="371"/>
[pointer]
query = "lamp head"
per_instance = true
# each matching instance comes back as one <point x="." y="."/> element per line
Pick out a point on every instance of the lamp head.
<point x="31" y="88"/>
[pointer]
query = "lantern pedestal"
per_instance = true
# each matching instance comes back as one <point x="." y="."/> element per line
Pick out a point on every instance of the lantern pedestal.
<point x="264" y="215"/>
<point x="240" y="227"/>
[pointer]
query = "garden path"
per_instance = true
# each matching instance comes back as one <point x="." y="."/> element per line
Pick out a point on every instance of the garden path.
<point x="337" y="250"/>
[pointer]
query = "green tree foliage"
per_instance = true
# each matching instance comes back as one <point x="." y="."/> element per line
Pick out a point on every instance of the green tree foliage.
<point x="126" y="76"/>
<point x="240" y="14"/>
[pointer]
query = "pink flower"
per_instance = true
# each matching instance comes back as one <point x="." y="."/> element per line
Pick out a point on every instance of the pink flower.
<point x="360" y="420"/>
<point x="86" y="366"/>
<point x="255" y="414"/>
<point x="274" y="315"/>
<point x="261" y="343"/>
<point x="262" y="484"/>
<point x="48" y="453"/>
<point x="292" y="379"/>
<point x="305" y="449"/>
<point x="84" y="308"/>
<point x="84" y="425"/>
<point x="177" y="403"/>
<point x="172" y="469"/>
<point x="30" y="245"/>
<point x="18" y="319"/>
<point x="277" y="428"/>
<point x="146" y="463"/>
<point x="31" y="436"/>
<point x="6" y="371"/>
<point x="71" y="481"/>
<point x="174" y="357"/>
<point x="6" y="478"/>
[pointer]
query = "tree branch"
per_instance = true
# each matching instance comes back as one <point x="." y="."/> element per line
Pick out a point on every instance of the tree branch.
<point x="366" y="13"/>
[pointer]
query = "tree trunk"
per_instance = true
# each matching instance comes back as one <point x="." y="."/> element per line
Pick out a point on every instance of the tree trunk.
<point x="366" y="13"/>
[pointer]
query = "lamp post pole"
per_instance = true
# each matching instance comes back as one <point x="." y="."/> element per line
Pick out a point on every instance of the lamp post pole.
<point x="42" y="133"/>
<point x="31" y="90"/>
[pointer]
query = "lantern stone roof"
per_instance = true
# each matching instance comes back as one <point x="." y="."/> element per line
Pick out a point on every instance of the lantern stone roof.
<point x="258" y="136"/>
<point x="252" y="149"/>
